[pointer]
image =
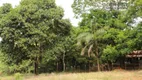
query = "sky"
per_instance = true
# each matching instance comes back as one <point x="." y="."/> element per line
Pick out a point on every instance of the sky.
<point x="65" y="4"/>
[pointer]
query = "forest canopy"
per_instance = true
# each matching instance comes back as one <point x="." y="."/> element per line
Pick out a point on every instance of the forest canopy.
<point x="36" y="38"/>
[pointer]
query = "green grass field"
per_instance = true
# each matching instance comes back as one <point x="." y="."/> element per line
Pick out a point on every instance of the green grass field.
<point x="112" y="75"/>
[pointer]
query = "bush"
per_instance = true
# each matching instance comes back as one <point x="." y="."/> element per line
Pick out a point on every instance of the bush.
<point x="18" y="76"/>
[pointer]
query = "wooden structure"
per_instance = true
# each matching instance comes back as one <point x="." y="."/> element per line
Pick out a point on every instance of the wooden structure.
<point x="130" y="61"/>
<point x="136" y="54"/>
<point x="134" y="60"/>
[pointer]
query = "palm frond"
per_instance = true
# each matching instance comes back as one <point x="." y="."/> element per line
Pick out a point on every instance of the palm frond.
<point x="90" y="50"/>
<point x="100" y="32"/>
<point x="85" y="37"/>
<point x="83" y="50"/>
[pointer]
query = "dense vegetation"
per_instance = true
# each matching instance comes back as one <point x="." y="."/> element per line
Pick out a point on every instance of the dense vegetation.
<point x="36" y="38"/>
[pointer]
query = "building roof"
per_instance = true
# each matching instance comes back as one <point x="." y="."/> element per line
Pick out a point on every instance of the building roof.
<point x="137" y="53"/>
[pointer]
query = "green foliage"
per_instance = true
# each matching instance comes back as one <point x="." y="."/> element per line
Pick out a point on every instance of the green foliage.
<point x="6" y="8"/>
<point x="84" y="6"/>
<point x="18" y="76"/>
<point x="3" y="65"/>
<point x="108" y="27"/>
<point x="110" y="53"/>
<point x="36" y="38"/>
<point x="29" y="29"/>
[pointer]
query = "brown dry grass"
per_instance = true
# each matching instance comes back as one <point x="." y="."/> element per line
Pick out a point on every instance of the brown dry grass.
<point x="113" y="75"/>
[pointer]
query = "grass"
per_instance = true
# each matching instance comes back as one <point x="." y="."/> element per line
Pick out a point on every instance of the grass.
<point x="112" y="75"/>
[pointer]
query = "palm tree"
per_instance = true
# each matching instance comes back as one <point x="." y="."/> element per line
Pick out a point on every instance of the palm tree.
<point x="90" y="43"/>
<point x="92" y="36"/>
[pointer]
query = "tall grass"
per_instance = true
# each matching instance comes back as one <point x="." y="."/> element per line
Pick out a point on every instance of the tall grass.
<point x="112" y="75"/>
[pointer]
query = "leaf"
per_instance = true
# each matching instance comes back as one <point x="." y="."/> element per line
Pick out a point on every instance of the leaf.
<point x="83" y="50"/>
<point x="90" y="50"/>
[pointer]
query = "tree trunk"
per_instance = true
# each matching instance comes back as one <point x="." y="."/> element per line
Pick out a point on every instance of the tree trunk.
<point x="75" y="68"/>
<point x="98" y="64"/>
<point x="57" y="67"/>
<point x="97" y="56"/>
<point x="37" y="58"/>
<point x="108" y="66"/>
<point x="36" y="66"/>
<point x="64" y="64"/>
<point x="89" y="67"/>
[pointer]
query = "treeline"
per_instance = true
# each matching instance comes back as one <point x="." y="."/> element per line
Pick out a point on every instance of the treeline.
<point x="36" y="38"/>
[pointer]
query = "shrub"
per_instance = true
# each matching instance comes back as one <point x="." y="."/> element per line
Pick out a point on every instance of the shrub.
<point x="18" y="76"/>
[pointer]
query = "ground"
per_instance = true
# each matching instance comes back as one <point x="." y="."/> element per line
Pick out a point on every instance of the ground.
<point x="112" y="75"/>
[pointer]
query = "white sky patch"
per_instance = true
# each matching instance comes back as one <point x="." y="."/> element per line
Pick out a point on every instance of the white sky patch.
<point x="68" y="12"/>
<point x="65" y="4"/>
<point x="0" y="39"/>
<point x="137" y="21"/>
<point x="13" y="2"/>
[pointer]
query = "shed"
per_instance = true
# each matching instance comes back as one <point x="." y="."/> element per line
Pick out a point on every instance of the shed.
<point x="133" y="60"/>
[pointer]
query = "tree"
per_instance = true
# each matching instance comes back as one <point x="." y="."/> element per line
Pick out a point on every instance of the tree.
<point x="92" y="38"/>
<point x="105" y="26"/>
<point x="83" y="6"/>
<point x="63" y="54"/>
<point x="30" y="28"/>
<point x="134" y="26"/>
<point x="6" y="8"/>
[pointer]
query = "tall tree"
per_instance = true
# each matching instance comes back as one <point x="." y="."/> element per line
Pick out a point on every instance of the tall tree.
<point x="30" y="28"/>
<point x="92" y="39"/>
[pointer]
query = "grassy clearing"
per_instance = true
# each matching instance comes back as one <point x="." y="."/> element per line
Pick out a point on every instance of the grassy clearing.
<point x="113" y="75"/>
